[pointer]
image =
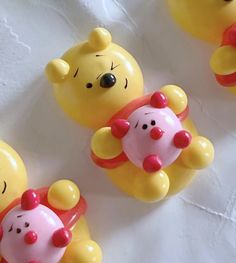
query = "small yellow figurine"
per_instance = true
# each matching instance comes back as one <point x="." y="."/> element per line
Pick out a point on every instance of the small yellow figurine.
<point x="30" y="222"/>
<point x="147" y="144"/>
<point x="212" y="21"/>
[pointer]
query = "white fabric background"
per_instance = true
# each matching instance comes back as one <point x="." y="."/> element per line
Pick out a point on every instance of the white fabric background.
<point x="199" y="224"/>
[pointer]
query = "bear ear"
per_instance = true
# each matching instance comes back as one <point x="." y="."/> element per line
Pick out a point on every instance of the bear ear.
<point x="99" y="38"/>
<point x="57" y="70"/>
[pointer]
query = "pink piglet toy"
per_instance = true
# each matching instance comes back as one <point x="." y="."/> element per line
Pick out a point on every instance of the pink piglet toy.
<point x="32" y="233"/>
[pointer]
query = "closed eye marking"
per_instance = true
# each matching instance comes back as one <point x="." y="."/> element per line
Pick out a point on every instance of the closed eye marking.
<point x="100" y="55"/>
<point x="112" y="66"/>
<point x="136" y="124"/>
<point x="4" y="188"/>
<point x="76" y="72"/>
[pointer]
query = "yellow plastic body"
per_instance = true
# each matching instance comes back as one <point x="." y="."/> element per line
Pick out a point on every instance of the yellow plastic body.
<point x="153" y="187"/>
<point x="84" y="64"/>
<point x="13" y="176"/>
<point x="94" y="106"/>
<point x="207" y="20"/>
<point x="64" y="195"/>
<point x="204" y="19"/>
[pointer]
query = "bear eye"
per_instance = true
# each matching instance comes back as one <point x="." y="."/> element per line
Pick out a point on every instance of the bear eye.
<point x="228" y="0"/>
<point x="144" y="126"/>
<point x="27" y="224"/>
<point x="153" y="123"/>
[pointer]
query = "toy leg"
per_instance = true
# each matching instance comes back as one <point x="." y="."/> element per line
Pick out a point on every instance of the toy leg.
<point x="82" y="249"/>
<point x="199" y="154"/>
<point x="85" y="251"/>
<point x="147" y="187"/>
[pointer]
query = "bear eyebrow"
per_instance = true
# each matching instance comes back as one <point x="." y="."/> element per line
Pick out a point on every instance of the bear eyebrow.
<point x="99" y="55"/>
<point x="76" y="72"/>
<point x="19" y="216"/>
<point x="147" y="113"/>
<point x="136" y="124"/>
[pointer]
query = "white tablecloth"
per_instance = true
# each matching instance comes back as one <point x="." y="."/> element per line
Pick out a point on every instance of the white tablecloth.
<point x="196" y="226"/>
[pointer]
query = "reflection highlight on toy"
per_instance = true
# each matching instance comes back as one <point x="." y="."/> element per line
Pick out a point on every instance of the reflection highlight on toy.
<point x="147" y="144"/>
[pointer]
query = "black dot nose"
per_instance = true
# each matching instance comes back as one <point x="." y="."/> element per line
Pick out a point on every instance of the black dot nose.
<point x="108" y="80"/>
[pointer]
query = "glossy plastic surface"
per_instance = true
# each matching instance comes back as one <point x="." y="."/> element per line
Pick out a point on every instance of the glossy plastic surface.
<point x="46" y="221"/>
<point x="12" y="171"/>
<point x="112" y="89"/>
<point x="154" y="181"/>
<point x="113" y="73"/>
<point x="213" y="21"/>
<point x="28" y="235"/>
<point x="204" y="19"/>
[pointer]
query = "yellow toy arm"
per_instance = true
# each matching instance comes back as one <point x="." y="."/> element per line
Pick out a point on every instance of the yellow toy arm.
<point x="57" y="70"/>
<point x="63" y="195"/>
<point x="105" y="145"/>
<point x="223" y="60"/>
<point x="199" y="155"/>
<point x="177" y="99"/>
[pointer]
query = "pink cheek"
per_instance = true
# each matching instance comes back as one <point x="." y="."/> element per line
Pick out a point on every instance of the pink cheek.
<point x="30" y="237"/>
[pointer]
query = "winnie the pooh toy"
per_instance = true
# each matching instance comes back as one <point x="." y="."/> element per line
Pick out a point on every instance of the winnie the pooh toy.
<point x="147" y="144"/>
<point x="212" y="21"/>
<point x="45" y="225"/>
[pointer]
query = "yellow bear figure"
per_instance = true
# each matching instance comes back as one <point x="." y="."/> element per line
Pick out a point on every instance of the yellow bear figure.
<point x="212" y="21"/>
<point x="63" y="196"/>
<point x="96" y="82"/>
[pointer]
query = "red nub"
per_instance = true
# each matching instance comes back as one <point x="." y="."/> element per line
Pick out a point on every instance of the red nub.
<point x="119" y="128"/>
<point x="182" y="139"/>
<point x="30" y="238"/>
<point x="229" y="37"/>
<point x="30" y="200"/>
<point x="159" y="100"/>
<point x="156" y="133"/>
<point x="61" y="237"/>
<point x="152" y="164"/>
<point x="1" y="233"/>
<point x="34" y="261"/>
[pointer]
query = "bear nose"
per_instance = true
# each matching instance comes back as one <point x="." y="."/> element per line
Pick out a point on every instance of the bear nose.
<point x="156" y="133"/>
<point x="108" y="80"/>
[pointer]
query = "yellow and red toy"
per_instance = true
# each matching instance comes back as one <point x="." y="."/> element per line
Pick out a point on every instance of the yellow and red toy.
<point x="44" y="225"/>
<point x="212" y="21"/>
<point x="147" y="144"/>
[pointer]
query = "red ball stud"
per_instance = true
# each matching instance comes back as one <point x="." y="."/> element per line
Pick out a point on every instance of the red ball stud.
<point x="229" y="37"/>
<point x="119" y="128"/>
<point x="159" y="100"/>
<point x="34" y="261"/>
<point x="152" y="164"/>
<point x="30" y="200"/>
<point x="30" y="238"/>
<point x="1" y="233"/>
<point x="156" y="133"/>
<point x="182" y="139"/>
<point x="61" y="237"/>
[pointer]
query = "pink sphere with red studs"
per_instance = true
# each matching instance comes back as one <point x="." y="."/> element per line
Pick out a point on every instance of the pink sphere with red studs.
<point x="33" y="233"/>
<point x="152" y="136"/>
